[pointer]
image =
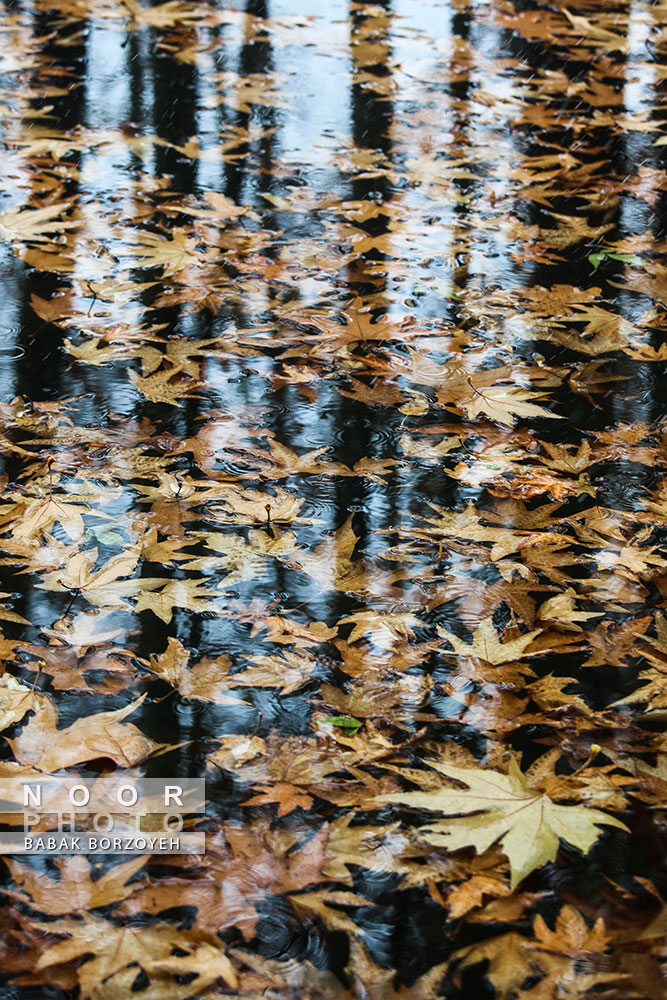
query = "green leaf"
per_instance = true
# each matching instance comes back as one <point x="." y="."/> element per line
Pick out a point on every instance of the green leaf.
<point x="626" y="258"/>
<point x="597" y="258"/>
<point x="344" y="722"/>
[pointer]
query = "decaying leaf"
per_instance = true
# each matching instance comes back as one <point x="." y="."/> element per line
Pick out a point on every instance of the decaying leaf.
<point x="333" y="446"/>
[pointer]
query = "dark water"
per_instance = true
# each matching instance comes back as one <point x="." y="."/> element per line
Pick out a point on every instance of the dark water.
<point x="395" y="270"/>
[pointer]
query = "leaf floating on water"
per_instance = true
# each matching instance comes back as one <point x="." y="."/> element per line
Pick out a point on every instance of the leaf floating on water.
<point x="91" y="737"/>
<point x="36" y="225"/>
<point x="344" y="721"/>
<point x="333" y="468"/>
<point x="505" y="808"/>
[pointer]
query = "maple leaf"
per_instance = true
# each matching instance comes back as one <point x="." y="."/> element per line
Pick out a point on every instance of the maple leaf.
<point x="510" y="961"/>
<point x="164" y="15"/>
<point x="502" y="403"/>
<point x="252" y="89"/>
<point x="237" y="750"/>
<point x="371" y="980"/>
<point x="51" y="309"/>
<point x="242" y="865"/>
<point x="287" y="796"/>
<point x="219" y="208"/>
<point x="331" y="566"/>
<point x="81" y="632"/>
<point x="487" y="646"/>
<point x="289" y="463"/>
<point x="104" y="587"/>
<point x="532" y="483"/>
<point x="97" y="351"/>
<point x="112" y="948"/>
<point x="369" y="697"/>
<point x="166" y="551"/>
<point x="92" y="736"/>
<point x="41" y="514"/>
<point x="35" y="225"/>
<point x="171" y="663"/>
<point x="252" y="507"/>
<point x="206" y="680"/>
<point x="652" y="692"/>
<point x="562" y="610"/>
<point x="596" y="32"/>
<point x="469" y="895"/>
<point x="425" y="449"/>
<point x="15" y="700"/>
<point x="505" y="808"/>
<point x="489" y="709"/>
<point x="469" y="525"/>
<point x="323" y="904"/>
<point x="298" y="761"/>
<point x="549" y="694"/>
<point x="288" y="671"/>
<point x="240" y="559"/>
<point x="383" y="629"/>
<point x="164" y="386"/>
<point x="173" y="254"/>
<point x="206" y="961"/>
<point x="74" y="890"/>
<point x="379" y="848"/>
<point x="190" y="594"/>
<point x="571" y="935"/>
<point x="287" y="631"/>
<point x="565" y="958"/>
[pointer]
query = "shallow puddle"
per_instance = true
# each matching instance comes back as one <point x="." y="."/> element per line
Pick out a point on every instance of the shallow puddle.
<point x="332" y="404"/>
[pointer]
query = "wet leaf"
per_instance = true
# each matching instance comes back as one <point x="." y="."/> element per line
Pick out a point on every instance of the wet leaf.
<point x="344" y="721"/>
<point x="74" y="890"/>
<point x="505" y="807"/>
<point x="101" y="734"/>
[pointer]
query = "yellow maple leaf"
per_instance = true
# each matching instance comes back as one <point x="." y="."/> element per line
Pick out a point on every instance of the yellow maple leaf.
<point x="173" y="254"/>
<point x="486" y="644"/>
<point x="35" y="225"/>
<point x="90" y="737"/>
<point x="15" y="700"/>
<point x="505" y="808"/>
<point x="41" y="514"/>
<point x="503" y="402"/>
<point x="190" y="594"/>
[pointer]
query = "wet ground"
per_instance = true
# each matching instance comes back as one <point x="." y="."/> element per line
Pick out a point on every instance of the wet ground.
<point x="333" y="417"/>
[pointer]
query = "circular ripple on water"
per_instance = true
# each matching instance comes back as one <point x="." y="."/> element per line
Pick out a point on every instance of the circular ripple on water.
<point x="12" y="353"/>
<point x="284" y="937"/>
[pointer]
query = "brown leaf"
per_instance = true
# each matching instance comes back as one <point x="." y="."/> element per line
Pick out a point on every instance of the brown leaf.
<point x="93" y="736"/>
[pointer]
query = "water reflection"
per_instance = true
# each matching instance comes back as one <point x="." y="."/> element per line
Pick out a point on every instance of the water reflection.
<point x="331" y="374"/>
